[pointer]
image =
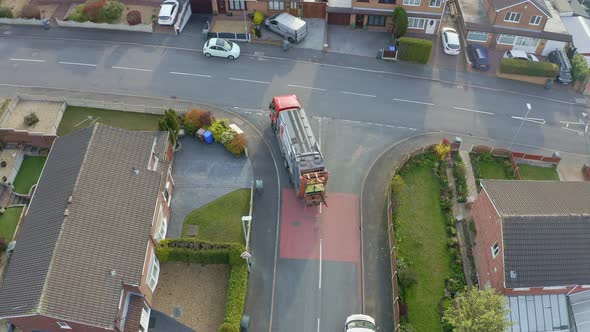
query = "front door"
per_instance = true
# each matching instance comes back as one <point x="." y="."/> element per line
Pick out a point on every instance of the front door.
<point x="360" y="21"/>
<point x="430" y="26"/>
<point x="221" y="6"/>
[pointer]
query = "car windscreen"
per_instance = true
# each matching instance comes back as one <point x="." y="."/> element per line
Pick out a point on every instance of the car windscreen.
<point x="164" y="18"/>
<point x="454" y="46"/>
<point x="228" y="45"/>
<point x="360" y="324"/>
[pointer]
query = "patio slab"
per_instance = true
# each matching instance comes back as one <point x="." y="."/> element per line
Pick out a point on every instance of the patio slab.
<point x="343" y="39"/>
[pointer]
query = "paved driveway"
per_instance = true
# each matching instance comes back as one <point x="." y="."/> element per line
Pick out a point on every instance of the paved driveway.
<point x="202" y="173"/>
<point x="343" y="39"/>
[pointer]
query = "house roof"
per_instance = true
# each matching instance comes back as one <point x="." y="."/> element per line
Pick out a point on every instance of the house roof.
<point x="75" y="265"/>
<point x="544" y="251"/>
<point x="538" y="198"/>
<point x="503" y="4"/>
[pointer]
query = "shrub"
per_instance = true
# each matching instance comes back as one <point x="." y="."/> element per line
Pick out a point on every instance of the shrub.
<point x="258" y="18"/>
<point x="30" y="11"/>
<point x="399" y="18"/>
<point x="579" y="68"/>
<point x="237" y="146"/>
<point x="93" y="10"/>
<point x="133" y="17"/>
<point x="170" y="122"/>
<point x="112" y="11"/>
<point x="3" y="244"/>
<point x="529" y="68"/>
<point x="79" y="15"/>
<point x="218" y="127"/>
<point x="414" y="49"/>
<point x="5" y="12"/>
<point x="227" y="137"/>
<point x="442" y="150"/>
<point x="31" y="119"/>
<point x="196" y="119"/>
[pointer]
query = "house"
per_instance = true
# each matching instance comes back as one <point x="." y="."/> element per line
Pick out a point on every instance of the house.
<point x="530" y="25"/>
<point x="423" y="15"/>
<point x="84" y="259"/>
<point x="532" y="237"/>
<point x="302" y="8"/>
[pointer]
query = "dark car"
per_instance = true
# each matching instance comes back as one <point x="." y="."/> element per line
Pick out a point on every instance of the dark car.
<point x="478" y="55"/>
<point x="559" y="58"/>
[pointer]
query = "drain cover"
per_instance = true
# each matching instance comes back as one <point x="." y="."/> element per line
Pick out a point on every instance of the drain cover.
<point x="177" y="312"/>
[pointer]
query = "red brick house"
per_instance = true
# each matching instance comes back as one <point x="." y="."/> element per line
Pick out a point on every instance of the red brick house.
<point x="84" y="258"/>
<point x="532" y="237"/>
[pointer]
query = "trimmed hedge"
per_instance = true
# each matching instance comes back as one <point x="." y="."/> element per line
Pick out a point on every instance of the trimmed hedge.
<point x="529" y="68"/>
<point x="415" y="49"/>
<point x="203" y="252"/>
<point x="5" y="12"/>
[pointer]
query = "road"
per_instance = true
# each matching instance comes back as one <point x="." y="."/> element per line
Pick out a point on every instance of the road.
<point x="356" y="111"/>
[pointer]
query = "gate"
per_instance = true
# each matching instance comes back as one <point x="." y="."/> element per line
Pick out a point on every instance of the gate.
<point x="229" y="36"/>
<point x="202" y="6"/>
<point x="314" y="10"/>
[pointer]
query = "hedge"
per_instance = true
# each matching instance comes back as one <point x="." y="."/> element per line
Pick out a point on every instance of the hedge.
<point x="529" y="68"/>
<point x="203" y="252"/>
<point x="415" y="49"/>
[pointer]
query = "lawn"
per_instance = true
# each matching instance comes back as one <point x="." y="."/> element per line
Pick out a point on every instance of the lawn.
<point x="8" y="222"/>
<point x="28" y="174"/>
<point x="492" y="170"/>
<point x="528" y="172"/>
<point x="422" y="241"/>
<point x="75" y="118"/>
<point x="221" y="220"/>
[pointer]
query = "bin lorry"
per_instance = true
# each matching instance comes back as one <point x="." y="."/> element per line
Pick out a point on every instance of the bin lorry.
<point x="301" y="152"/>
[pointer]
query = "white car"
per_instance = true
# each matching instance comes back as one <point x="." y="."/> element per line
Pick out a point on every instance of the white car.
<point x="359" y="323"/>
<point x="221" y="48"/>
<point x="450" y="40"/>
<point x="521" y="55"/>
<point x="168" y="12"/>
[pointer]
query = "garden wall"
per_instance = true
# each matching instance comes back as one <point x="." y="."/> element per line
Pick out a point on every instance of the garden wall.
<point x="107" y="26"/>
<point x="21" y="21"/>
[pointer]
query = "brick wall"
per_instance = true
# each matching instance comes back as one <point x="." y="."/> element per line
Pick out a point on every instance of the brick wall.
<point x="13" y="136"/>
<point x="527" y="10"/>
<point x="44" y="323"/>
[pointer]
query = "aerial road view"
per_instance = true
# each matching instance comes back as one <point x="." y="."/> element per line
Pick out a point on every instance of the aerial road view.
<point x="270" y="165"/>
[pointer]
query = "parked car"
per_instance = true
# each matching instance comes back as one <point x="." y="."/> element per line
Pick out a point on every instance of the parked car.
<point x="221" y="48"/>
<point x="559" y="58"/>
<point x="288" y="26"/>
<point x="359" y="323"/>
<point x="478" y="55"/>
<point x="168" y="12"/>
<point x="521" y="55"/>
<point x="450" y="41"/>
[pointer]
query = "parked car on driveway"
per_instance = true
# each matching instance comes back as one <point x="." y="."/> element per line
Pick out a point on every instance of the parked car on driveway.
<point x="221" y="48"/>
<point x="450" y="41"/>
<point x="359" y="323"/>
<point x="290" y="27"/>
<point x="478" y="55"/>
<point x="521" y="55"/>
<point x="559" y="58"/>
<point x="168" y="12"/>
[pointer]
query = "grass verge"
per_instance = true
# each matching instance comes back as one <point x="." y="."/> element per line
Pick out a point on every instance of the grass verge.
<point x="28" y="174"/>
<point x="76" y="118"/>
<point x="8" y="222"/>
<point x="529" y="172"/>
<point x="220" y="220"/>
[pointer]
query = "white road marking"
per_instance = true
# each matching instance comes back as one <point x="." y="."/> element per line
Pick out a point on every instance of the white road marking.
<point x="357" y="94"/>
<point x="320" y="281"/>
<point x="245" y="80"/>
<point x="533" y="120"/>
<point x="412" y="129"/>
<point x="579" y="132"/>
<point x="474" y="111"/>
<point x="130" y="68"/>
<point x="257" y="110"/>
<point x="188" y="74"/>
<point x="413" y="101"/>
<point x="26" y="60"/>
<point x="318" y="324"/>
<point x="305" y="87"/>
<point x="77" y="64"/>
<point x="320" y="146"/>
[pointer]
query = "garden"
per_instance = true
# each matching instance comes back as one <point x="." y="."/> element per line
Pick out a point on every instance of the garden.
<point x="28" y="174"/>
<point x="8" y="222"/>
<point x="75" y="118"/>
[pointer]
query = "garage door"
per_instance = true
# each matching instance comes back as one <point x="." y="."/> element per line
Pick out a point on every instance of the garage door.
<point x="201" y="6"/>
<point x="338" y="18"/>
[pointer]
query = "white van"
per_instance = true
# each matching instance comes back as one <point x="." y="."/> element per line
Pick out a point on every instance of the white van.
<point x="288" y="26"/>
<point x="359" y="323"/>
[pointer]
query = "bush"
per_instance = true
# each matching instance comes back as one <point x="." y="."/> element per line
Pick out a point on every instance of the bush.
<point x="112" y="11"/>
<point x="170" y="122"/>
<point x="30" y="11"/>
<point x="31" y="119"/>
<point x="236" y="296"/>
<point x="579" y="68"/>
<point x="218" y="127"/>
<point x="258" y="18"/>
<point x="5" y="12"/>
<point x="133" y="17"/>
<point x="79" y="15"/>
<point x="227" y="137"/>
<point x="237" y="146"/>
<point x="529" y="68"/>
<point x="93" y="10"/>
<point x="3" y="244"/>
<point x="414" y="49"/>
<point x="399" y="17"/>
<point x="195" y="119"/>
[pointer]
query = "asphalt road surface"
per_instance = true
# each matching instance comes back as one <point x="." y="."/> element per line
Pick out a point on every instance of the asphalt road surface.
<point x="356" y="114"/>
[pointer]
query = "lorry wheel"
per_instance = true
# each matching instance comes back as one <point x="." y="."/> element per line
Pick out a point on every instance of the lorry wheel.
<point x="291" y="40"/>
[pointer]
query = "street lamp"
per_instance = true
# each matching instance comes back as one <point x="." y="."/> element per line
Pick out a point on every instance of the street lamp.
<point x="528" y="106"/>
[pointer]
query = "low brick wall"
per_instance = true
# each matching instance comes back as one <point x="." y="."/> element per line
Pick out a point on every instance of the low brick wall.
<point x="525" y="78"/>
<point x="106" y="26"/>
<point x="21" y="21"/>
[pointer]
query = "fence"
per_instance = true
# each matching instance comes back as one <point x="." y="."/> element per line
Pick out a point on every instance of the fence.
<point x="230" y="35"/>
<point x="391" y="238"/>
<point x="107" y="26"/>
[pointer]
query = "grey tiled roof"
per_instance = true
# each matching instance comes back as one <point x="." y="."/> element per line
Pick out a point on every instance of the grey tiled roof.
<point x="500" y="4"/>
<point x="534" y="198"/>
<point x="546" y="251"/>
<point x="103" y="239"/>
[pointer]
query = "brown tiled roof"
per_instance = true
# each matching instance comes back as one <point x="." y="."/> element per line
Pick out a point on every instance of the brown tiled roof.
<point x="102" y="241"/>
<point x="501" y="4"/>
<point x="471" y="26"/>
<point x="133" y="317"/>
<point x="537" y="198"/>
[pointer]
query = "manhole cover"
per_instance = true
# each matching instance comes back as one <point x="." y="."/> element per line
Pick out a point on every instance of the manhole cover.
<point x="177" y="312"/>
<point x="296" y="223"/>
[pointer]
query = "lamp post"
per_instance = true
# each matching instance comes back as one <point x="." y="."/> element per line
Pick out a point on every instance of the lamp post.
<point x="528" y="106"/>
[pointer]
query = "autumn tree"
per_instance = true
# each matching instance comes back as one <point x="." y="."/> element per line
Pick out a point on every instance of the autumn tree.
<point x="477" y="310"/>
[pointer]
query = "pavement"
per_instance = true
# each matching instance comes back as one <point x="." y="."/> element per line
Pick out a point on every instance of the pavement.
<point x="360" y="42"/>
<point x="202" y="173"/>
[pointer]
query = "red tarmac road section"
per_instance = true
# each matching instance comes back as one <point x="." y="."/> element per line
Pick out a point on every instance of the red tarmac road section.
<point x="337" y="225"/>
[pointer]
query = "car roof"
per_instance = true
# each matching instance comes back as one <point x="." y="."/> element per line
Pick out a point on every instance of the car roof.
<point x="166" y="8"/>
<point x="453" y="37"/>
<point x="219" y="41"/>
<point x="518" y="53"/>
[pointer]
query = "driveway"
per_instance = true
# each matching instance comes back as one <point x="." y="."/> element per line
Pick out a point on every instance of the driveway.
<point x="316" y="28"/>
<point x="202" y="173"/>
<point x="160" y="322"/>
<point x="343" y="39"/>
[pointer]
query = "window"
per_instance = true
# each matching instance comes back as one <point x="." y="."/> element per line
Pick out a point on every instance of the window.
<point x="166" y="192"/>
<point x="513" y="17"/>
<point x="412" y="2"/>
<point x="435" y="3"/>
<point x="237" y="4"/>
<point x="63" y="325"/>
<point x="506" y="39"/>
<point x="162" y="230"/>
<point x="387" y="1"/>
<point x="154" y="272"/>
<point x="376" y="20"/>
<point x="416" y="23"/>
<point x="518" y="41"/>
<point x="477" y="36"/>
<point x="535" y="20"/>
<point x="293" y="4"/>
<point x="495" y="249"/>
<point x="276" y="5"/>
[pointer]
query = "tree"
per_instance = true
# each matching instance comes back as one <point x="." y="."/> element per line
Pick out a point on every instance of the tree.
<point x="477" y="310"/>
<point x="442" y="149"/>
<point x="170" y="123"/>
<point x="580" y="70"/>
<point x="400" y="22"/>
